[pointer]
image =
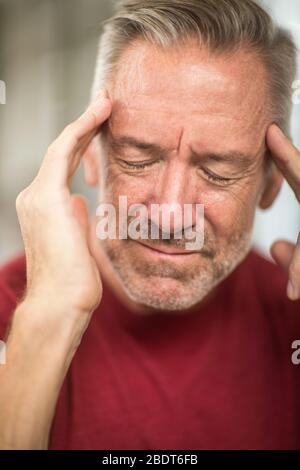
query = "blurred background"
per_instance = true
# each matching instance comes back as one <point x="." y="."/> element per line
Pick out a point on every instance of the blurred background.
<point x="48" y="50"/>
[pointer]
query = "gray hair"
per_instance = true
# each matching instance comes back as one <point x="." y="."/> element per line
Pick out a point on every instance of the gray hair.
<point x="223" y="25"/>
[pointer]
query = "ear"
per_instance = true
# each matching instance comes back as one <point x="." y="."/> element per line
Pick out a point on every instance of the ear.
<point x="91" y="159"/>
<point x="273" y="184"/>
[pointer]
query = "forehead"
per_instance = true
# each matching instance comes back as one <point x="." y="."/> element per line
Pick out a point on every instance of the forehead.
<point x="212" y="98"/>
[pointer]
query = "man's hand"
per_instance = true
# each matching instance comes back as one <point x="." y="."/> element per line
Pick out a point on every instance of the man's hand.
<point x="63" y="289"/>
<point x="54" y="224"/>
<point x="287" y="159"/>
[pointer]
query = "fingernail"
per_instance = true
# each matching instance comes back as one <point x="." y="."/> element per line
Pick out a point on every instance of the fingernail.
<point x="292" y="291"/>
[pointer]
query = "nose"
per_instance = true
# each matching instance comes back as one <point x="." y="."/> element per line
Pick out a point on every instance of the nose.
<point x="173" y="192"/>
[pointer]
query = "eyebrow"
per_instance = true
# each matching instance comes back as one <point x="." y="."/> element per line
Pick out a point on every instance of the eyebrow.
<point x="122" y="142"/>
<point x="235" y="158"/>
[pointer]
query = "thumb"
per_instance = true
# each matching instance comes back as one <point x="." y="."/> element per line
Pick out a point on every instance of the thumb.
<point x="282" y="252"/>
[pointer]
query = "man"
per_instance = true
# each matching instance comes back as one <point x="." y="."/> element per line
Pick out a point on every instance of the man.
<point x="142" y="344"/>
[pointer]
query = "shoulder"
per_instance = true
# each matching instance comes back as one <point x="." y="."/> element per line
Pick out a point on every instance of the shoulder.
<point x="12" y="287"/>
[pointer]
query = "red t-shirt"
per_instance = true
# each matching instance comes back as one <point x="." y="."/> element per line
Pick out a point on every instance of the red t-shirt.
<point x="218" y="378"/>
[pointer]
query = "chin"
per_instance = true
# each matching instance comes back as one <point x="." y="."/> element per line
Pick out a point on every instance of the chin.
<point x="173" y="284"/>
<point x="163" y="294"/>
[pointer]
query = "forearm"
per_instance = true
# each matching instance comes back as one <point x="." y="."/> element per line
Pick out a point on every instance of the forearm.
<point x="63" y="287"/>
<point x="40" y="347"/>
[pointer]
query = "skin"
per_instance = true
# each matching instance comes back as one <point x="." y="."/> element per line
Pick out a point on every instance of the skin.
<point x="63" y="255"/>
<point x="215" y="105"/>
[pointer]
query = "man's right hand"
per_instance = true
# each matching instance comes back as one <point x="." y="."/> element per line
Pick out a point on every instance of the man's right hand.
<point x="63" y="289"/>
<point x="54" y="224"/>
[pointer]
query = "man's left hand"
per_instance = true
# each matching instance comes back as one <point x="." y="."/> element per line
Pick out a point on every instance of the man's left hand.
<point x="287" y="159"/>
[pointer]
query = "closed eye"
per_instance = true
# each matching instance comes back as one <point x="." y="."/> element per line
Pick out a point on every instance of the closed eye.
<point x="209" y="174"/>
<point x="138" y="165"/>
<point x="216" y="178"/>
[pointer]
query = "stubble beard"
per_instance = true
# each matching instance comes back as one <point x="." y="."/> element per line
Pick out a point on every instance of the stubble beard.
<point x="163" y="286"/>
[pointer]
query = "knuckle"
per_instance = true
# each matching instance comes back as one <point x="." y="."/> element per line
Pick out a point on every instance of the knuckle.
<point x="19" y="201"/>
<point x="29" y="199"/>
<point x="51" y="150"/>
<point x="70" y="134"/>
<point x="69" y="129"/>
<point x="22" y="199"/>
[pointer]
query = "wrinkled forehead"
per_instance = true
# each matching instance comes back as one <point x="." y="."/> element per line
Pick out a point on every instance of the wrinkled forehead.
<point x="218" y="97"/>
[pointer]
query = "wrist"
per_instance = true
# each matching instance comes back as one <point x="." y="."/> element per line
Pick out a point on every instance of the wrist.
<point x="45" y="325"/>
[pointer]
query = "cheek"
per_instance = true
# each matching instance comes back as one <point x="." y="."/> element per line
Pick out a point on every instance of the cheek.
<point x="118" y="183"/>
<point x="230" y="211"/>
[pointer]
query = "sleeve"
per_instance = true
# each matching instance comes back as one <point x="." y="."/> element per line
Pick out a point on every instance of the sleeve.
<point x="8" y="303"/>
<point x="12" y="284"/>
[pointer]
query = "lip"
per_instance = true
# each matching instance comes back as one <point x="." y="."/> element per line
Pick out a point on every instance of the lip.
<point x="167" y="251"/>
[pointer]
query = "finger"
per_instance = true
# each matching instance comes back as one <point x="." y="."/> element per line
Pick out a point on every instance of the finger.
<point x="63" y="155"/>
<point x="286" y="157"/>
<point x="287" y="255"/>
<point x="294" y="273"/>
<point x="79" y="154"/>
<point x="282" y="252"/>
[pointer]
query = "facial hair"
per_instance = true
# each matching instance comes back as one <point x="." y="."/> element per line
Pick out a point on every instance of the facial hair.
<point x="164" y="286"/>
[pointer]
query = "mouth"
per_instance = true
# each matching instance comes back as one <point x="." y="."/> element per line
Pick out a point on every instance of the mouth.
<point x="163" y="251"/>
